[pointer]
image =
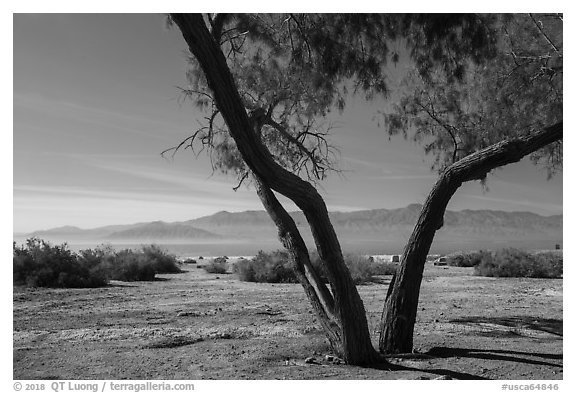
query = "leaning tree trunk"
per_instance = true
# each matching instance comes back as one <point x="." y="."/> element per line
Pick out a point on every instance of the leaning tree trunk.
<point x="351" y="338"/>
<point x="401" y="304"/>
<point x="316" y="291"/>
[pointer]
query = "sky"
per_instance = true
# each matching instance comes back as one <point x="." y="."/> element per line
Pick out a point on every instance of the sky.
<point x="95" y="102"/>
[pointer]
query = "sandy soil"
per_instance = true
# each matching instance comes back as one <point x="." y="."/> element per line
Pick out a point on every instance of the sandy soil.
<point x="204" y="326"/>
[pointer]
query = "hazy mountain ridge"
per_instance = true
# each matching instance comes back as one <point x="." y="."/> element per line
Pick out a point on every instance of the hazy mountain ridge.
<point x="158" y="230"/>
<point x="387" y="218"/>
<point x="481" y="227"/>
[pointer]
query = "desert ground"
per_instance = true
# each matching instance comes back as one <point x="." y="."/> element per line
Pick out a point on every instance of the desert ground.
<point x="197" y="325"/>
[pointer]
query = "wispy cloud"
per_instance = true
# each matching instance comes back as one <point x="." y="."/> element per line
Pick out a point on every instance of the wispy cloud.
<point x="544" y="206"/>
<point x="38" y="206"/>
<point x="172" y="176"/>
<point x="389" y="170"/>
<point x="98" y="118"/>
<point x="404" y="177"/>
<point x="365" y="163"/>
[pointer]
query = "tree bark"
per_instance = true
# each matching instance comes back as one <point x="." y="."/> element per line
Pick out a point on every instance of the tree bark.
<point x="315" y="289"/>
<point x="399" y="314"/>
<point x="353" y="342"/>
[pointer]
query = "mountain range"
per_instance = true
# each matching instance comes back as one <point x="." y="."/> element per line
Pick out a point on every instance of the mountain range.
<point x="365" y="229"/>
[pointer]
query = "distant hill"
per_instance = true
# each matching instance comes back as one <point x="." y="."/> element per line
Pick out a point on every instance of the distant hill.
<point x="366" y="229"/>
<point x="382" y="219"/>
<point x="391" y="228"/>
<point x="159" y="230"/>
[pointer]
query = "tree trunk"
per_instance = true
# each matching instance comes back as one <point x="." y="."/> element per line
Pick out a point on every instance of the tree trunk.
<point x="316" y="291"/>
<point x="352" y="342"/>
<point x="401" y="304"/>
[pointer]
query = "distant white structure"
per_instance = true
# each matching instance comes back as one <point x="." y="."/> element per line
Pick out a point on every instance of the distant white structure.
<point x="384" y="258"/>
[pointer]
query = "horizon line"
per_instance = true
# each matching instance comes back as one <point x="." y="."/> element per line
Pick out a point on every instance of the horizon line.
<point x="262" y="211"/>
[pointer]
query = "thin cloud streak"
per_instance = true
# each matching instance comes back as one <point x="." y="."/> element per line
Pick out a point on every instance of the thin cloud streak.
<point x="101" y="118"/>
<point x="171" y="177"/>
<point x="46" y="207"/>
<point x="403" y="177"/>
<point x="551" y="207"/>
<point x="43" y="193"/>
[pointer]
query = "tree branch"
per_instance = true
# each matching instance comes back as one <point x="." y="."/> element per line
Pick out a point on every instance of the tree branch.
<point x="433" y="116"/>
<point x="244" y="177"/>
<point x="476" y="165"/>
<point x="315" y="165"/>
<point x="545" y="35"/>
<point x="217" y="23"/>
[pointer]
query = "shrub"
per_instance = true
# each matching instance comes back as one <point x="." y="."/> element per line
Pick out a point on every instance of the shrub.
<point x="217" y="265"/>
<point x="39" y="264"/>
<point x="94" y="260"/>
<point x="274" y="267"/>
<point x="129" y="265"/>
<point x="465" y="259"/>
<point x="124" y="265"/>
<point x="551" y="262"/>
<point x="384" y="268"/>
<point x="161" y="260"/>
<point x="244" y="270"/>
<point x="511" y="262"/>
<point x="361" y="270"/>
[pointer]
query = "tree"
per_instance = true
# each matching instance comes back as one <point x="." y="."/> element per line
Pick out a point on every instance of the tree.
<point x="500" y="113"/>
<point x="267" y="81"/>
<point x="340" y="309"/>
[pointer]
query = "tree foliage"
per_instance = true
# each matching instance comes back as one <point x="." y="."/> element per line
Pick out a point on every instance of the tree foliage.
<point x="292" y="70"/>
<point x="516" y="93"/>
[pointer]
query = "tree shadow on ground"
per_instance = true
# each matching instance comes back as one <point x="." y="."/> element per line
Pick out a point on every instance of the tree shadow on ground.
<point x="547" y="325"/>
<point x="440" y="372"/>
<point x="496" y="354"/>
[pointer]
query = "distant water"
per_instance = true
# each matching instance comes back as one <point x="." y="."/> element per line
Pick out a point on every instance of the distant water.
<point x="222" y="249"/>
<point x="186" y="250"/>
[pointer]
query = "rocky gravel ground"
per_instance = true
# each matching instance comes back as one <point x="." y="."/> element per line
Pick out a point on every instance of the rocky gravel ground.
<point x="197" y="325"/>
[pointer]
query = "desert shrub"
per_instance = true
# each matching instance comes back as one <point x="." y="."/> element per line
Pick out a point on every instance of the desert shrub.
<point x="217" y="265"/>
<point x="40" y="264"/>
<point x="274" y="267"/>
<point x="551" y="263"/>
<point x="96" y="260"/>
<point x="465" y="259"/>
<point x="129" y="265"/>
<point x="244" y="270"/>
<point x="511" y="262"/>
<point x="162" y="261"/>
<point x="384" y="268"/>
<point x="124" y="265"/>
<point x="361" y="269"/>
